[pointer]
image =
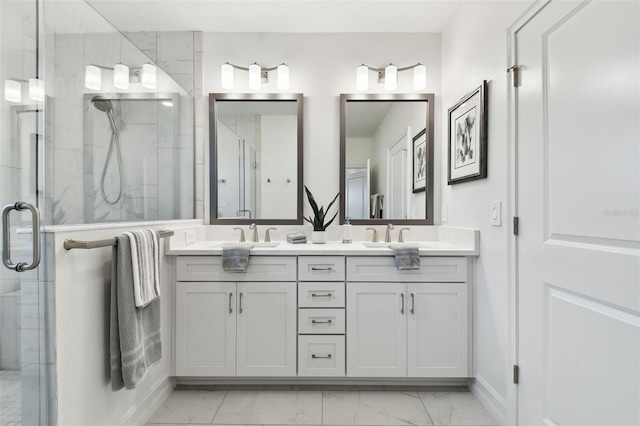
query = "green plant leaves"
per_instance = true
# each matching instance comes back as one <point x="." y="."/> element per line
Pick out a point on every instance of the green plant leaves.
<point x="319" y="214"/>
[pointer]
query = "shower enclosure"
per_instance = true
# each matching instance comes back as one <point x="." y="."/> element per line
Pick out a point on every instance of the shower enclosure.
<point x="70" y="156"/>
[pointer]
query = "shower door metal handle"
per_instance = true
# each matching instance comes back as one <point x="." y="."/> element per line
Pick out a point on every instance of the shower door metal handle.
<point x="6" y="236"/>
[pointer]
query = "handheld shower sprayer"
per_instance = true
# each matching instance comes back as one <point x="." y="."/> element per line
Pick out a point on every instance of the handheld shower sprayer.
<point x="104" y="105"/>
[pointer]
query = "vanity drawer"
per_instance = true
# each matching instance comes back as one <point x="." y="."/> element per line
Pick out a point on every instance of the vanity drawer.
<point x="321" y="295"/>
<point x="321" y="356"/>
<point x="383" y="268"/>
<point x="261" y="268"/>
<point x="321" y="268"/>
<point x="321" y="321"/>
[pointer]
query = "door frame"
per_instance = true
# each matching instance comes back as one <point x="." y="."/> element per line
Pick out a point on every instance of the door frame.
<point x="512" y="205"/>
<point x="406" y="138"/>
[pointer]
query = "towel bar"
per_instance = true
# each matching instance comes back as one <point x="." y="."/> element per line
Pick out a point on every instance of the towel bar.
<point x="74" y="244"/>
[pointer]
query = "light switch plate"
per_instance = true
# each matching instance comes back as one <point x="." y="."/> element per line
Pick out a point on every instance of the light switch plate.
<point x="496" y="213"/>
<point x="189" y="236"/>
<point x="445" y="212"/>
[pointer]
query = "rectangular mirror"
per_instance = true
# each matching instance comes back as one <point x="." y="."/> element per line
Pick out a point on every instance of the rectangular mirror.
<point x="386" y="158"/>
<point x="256" y="157"/>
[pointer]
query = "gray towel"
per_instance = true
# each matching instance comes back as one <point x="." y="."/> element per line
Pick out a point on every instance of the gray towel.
<point x="296" y="237"/>
<point x="235" y="257"/>
<point x="407" y="256"/>
<point x="135" y="332"/>
<point x="145" y="256"/>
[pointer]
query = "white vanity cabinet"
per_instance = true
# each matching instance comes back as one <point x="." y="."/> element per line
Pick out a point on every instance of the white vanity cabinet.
<point x="242" y="327"/>
<point x="418" y="328"/>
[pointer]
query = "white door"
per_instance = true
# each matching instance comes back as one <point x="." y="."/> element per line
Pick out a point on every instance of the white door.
<point x="205" y="329"/>
<point x="397" y="170"/>
<point x="357" y="194"/>
<point x="578" y="202"/>
<point x="437" y="330"/>
<point x="376" y="330"/>
<point x="267" y="329"/>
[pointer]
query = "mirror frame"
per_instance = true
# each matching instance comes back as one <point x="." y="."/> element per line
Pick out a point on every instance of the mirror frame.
<point x="214" y="98"/>
<point x="429" y="120"/>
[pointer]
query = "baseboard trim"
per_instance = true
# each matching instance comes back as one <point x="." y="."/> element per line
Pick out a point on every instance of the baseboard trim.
<point x="491" y="400"/>
<point x="139" y="414"/>
<point x="320" y="381"/>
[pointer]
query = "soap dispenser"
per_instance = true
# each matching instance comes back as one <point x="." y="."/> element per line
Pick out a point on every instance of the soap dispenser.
<point x="347" y="232"/>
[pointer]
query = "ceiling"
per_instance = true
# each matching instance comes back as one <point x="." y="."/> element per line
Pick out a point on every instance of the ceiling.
<point x="282" y="16"/>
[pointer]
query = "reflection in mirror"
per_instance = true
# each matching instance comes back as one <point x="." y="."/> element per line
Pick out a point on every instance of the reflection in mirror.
<point x="382" y="176"/>
<point x="256" y="147"/>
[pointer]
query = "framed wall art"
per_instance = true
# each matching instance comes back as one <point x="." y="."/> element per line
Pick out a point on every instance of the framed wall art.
<point x="420" y="161"/>
<point x="468" y="137"/>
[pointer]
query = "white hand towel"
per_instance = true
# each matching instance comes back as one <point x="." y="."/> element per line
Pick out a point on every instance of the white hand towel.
<point x="145" y="260"/>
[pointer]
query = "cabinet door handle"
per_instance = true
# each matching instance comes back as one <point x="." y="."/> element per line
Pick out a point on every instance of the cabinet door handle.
<point x="413" y="304"/>
<point x="321" y="322"/>
<point x="240" y="302"/>
<point x="321" y="295"/>
<point x="230" y="308"/>
<point x="314" y="356"/>
<point x="402" y="305"/>
<point x="315" y="268"/>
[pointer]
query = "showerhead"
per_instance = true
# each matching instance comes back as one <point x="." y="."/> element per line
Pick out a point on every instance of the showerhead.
<point x="102" y="104"/>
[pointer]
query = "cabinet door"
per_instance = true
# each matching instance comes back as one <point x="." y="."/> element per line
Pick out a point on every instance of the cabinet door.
<point x="267" y="329"/>
<point x="376" y="330"/>
<point x="205" y="329"/>
<point x="437" y="330"/>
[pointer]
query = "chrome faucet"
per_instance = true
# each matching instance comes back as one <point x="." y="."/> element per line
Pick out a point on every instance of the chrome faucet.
<point x="387" y="235"/>
<point x="401" y="235"/>
<point x="374" y="238"/>
<point x="242" y="240"/>
<point x="254" y="237"/>
<point x="267" y="235"/>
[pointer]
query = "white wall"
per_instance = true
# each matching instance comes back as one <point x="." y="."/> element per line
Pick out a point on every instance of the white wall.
<point x="474" y="48"/>
<point x="322" y="67"/>
<point x="82" y="298"/>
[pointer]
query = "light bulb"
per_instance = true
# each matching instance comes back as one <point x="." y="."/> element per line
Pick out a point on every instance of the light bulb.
<point x="283" y="77"/>
<point x="12" y="91"/>
<point x="92" y="77"/>
<point x="36" y="89"/>
<point x="226" y="76"/>
<point x="390" y="77"/>
<point x="362" y="77"/>
<point x="419" y="77"/>
<point x="254" y="76"/>
<point x="121" y="76"/>
<point x="148" y="76"/>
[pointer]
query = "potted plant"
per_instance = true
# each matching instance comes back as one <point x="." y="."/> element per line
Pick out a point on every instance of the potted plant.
<point x="319" y="234"/>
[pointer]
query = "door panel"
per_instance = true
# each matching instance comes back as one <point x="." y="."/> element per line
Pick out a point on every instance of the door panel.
<point x="578" y="136"/>
<point x="376" y="330"/>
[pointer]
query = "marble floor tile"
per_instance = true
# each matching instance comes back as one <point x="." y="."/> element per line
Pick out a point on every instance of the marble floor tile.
<point x="456" y="408"/>
<point x="373" y="408"/>
<point x="187" y="406"/>
<point x="270" y="407"/>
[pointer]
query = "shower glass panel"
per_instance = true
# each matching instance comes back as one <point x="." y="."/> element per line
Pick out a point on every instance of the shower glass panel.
<point x="116" y="155"/>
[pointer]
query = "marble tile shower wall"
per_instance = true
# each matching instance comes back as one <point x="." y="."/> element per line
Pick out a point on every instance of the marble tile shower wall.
<point x="157" y="148"/>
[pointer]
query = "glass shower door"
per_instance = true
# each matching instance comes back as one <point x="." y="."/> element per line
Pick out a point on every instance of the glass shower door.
<point x="21" y="287"/>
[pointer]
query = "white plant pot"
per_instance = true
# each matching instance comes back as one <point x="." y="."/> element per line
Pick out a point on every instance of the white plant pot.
<point x="319" y="237"/>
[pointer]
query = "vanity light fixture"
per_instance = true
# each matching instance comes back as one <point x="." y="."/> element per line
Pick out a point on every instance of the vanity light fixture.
<point x="12" y="91"/>
<point x="149" y="76"/>
<point x="121" y="76"/>
<point x="389" y="75"/>
<point x="92" y="77"/>
<point x="257" y="75"/>
<point x="36" y="89"/>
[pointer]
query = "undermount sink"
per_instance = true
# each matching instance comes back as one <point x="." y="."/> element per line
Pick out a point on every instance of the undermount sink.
<point x="220" y="244"/>
<point x="263" y="244"/>
<point x="376" y="245"/>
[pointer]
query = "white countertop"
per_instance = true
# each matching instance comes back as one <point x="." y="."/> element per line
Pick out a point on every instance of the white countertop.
<point x="357" y="248"/>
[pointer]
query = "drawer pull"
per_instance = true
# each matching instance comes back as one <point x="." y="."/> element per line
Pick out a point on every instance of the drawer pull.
<point x="402" y="307"/>
<point x="328" y="268"/>
<point x="413" y="304"/>
<point x="320" y="356"/>
<point x="240" y="308"/>
<point x="321" y="322"/>
<point x="321" y="295"/>
<point x="230" y="308"/>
